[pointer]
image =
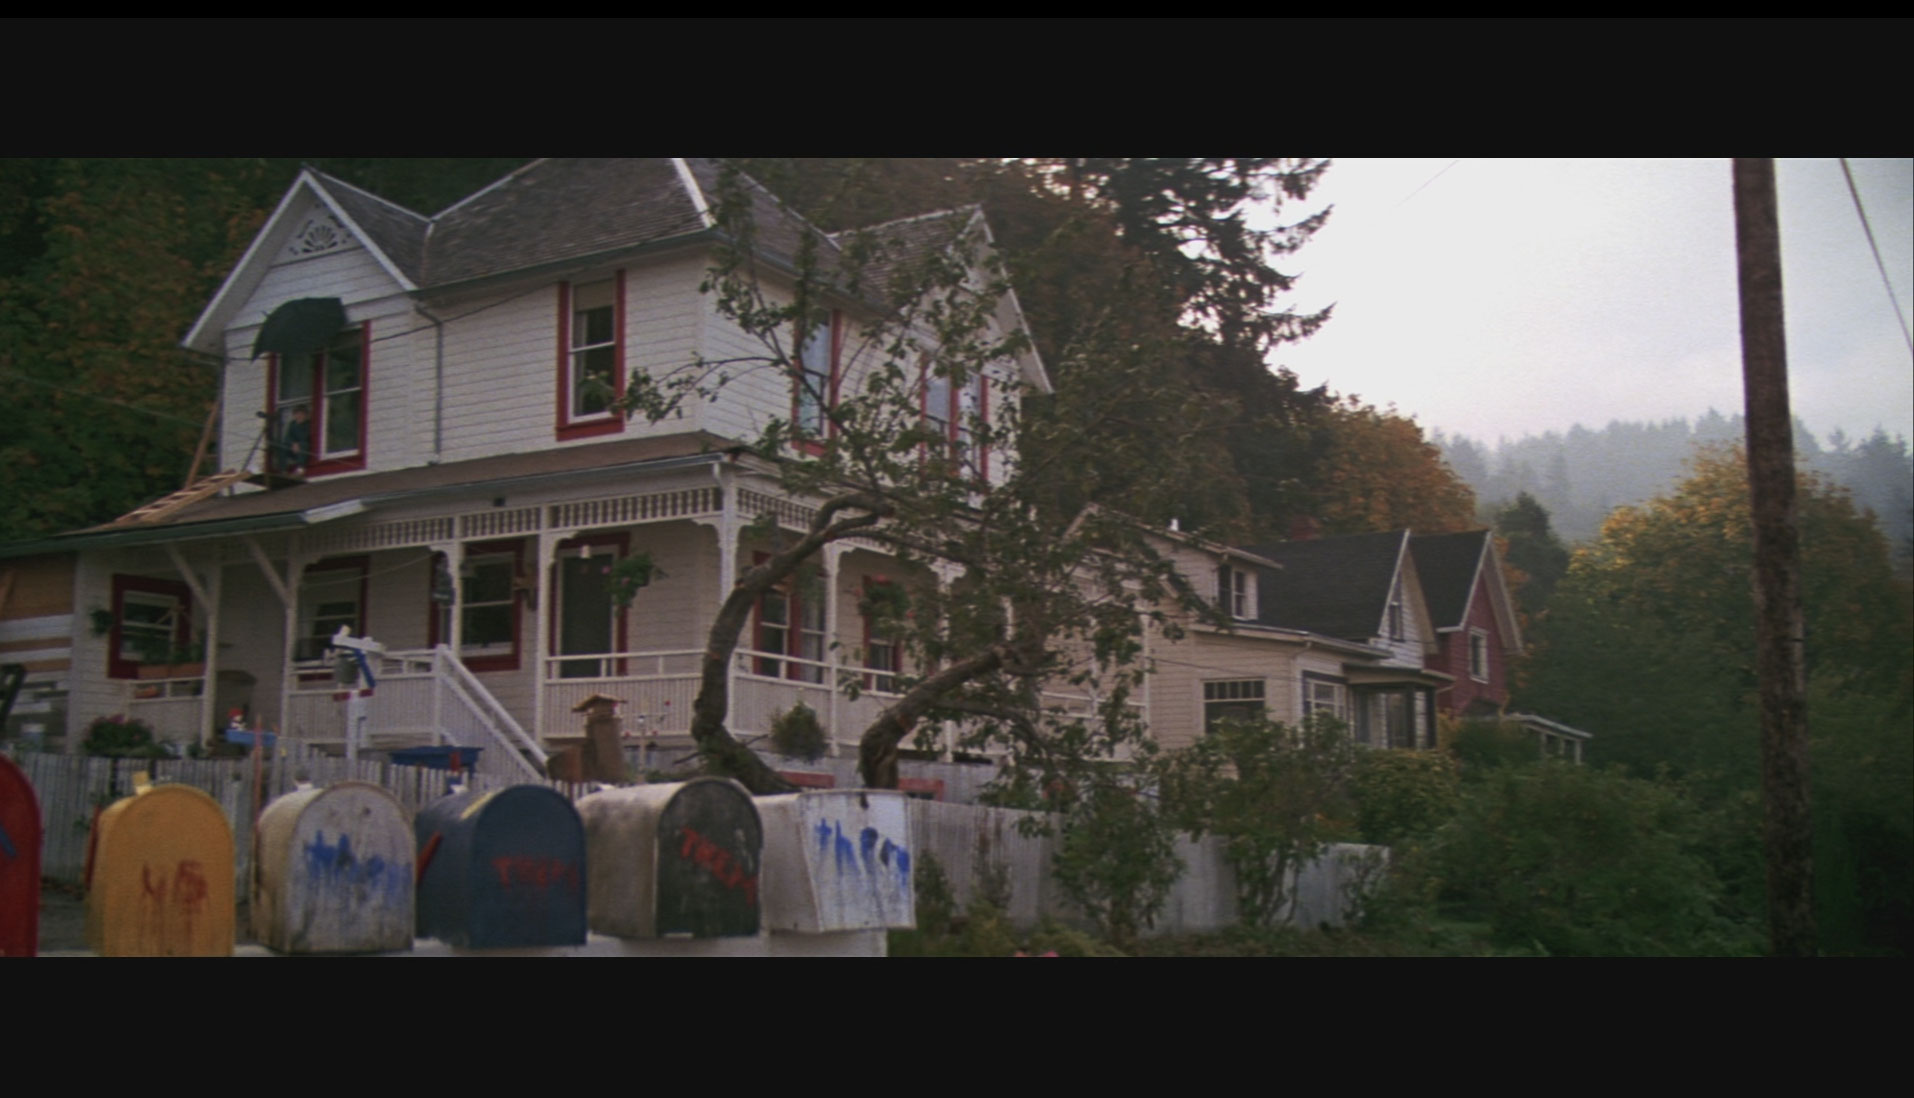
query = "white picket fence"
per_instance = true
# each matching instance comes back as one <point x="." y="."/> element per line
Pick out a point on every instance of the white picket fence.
<point x="963" y="838"/>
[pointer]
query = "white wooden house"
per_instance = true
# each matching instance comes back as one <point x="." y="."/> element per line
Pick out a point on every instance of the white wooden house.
<point x="1338" y="626"/>
<point x="465" y="488"/>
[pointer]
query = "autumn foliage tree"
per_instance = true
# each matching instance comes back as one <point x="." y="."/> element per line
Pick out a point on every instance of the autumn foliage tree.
<point x="1380" y="473"/>
<point x="1650" y="646"/>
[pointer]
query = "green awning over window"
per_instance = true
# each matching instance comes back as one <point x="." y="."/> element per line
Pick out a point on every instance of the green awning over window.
<point x="301" y="327"/>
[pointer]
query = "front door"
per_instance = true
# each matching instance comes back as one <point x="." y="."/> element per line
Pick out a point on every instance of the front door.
<point x="586" y="616"/>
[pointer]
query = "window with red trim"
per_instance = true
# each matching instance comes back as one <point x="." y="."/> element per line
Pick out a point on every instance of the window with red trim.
<point x="814" y="388"/>
<point x="489" y="615"/>
<point x="786" y="624"/>
<point x="151" y="618"/>
<point x="953" y="412"/>
<point x="591" y="357"/>
<point x="317" y="405"/>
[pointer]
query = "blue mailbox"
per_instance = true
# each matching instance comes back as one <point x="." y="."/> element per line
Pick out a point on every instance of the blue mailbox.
<point x="501" y="870"/>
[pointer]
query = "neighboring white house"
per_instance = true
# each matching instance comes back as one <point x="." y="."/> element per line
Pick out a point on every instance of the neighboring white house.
<point x="421" y="450"/>
<point x="1336" y="626"/>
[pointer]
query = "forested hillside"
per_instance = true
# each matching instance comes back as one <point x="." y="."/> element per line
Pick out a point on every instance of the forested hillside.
<point x="1584" y="474"/>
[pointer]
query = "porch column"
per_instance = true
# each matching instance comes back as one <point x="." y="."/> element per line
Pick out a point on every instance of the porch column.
<point x="546" y="561"/>
<point x="728" y="528"/>
<point x="208" y="596"/>
<point x="832" y="555"/>
<point x="209" y="714"/>
<point x="455" y="616"/>
<point x="946" y="574"/>
<point x="287" y="589"/>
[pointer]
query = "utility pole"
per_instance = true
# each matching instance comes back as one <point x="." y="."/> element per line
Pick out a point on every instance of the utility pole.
<point x="1780" y="660"/>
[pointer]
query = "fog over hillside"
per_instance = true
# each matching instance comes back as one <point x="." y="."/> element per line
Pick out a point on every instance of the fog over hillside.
<point x="1582" y="475"/>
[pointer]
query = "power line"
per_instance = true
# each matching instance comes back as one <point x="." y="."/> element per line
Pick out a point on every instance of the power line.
<point x="1876" y="249"/>
<point x="1426" y="182"/>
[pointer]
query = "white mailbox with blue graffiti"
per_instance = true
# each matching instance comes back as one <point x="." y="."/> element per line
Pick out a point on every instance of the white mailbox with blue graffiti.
<point x="837" y="860"/>
<point x="335" y="872"/>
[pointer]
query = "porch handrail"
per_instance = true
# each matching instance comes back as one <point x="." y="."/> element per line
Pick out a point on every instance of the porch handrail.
<point x="655" y="657"/>
<point x="450" y="671"/>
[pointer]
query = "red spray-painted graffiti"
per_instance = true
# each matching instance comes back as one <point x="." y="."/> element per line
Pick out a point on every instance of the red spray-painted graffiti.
<point x="188" y="891"/>
<point x="718" y="862"/>
<point x="539" y="873"/>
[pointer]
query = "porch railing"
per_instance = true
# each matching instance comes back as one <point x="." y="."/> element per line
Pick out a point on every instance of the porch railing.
<point x="659" y="687"/>
<point x="421" y="697"/>
<point x="171" y="708"/>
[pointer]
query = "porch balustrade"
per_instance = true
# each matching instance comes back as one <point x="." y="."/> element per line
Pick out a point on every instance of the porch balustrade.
<point x="170" y="707"/>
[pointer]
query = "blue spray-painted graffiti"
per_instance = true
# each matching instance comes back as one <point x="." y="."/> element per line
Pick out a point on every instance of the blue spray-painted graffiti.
<point x="874" y="848"/>
<point x="332" y="866"/>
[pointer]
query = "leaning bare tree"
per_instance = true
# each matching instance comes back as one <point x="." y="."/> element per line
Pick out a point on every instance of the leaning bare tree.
<point x="1024" y="627"/>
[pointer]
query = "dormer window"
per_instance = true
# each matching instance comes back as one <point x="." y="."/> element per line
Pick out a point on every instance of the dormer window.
<point x="1235" y="593"/>
<point x="319" y="405"/>
<point x="591" y="340"/>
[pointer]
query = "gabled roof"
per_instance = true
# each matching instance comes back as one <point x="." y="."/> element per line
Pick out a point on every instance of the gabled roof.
<point x="558" y="210"/>
<point x="387" y="231"/>
<point x="1449" y="566"/>
<point x="1338" y="587"/>
<point x="387" y="227"/>
<point x="906" y="245"/>
<point x="555" y="212"/>
<point x="1452" y="568"/>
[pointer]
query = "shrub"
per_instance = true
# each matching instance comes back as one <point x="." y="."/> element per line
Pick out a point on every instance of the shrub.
<point x="1403" y="794"/>
<point x="798" y="734"/>
<point x="1117" y="859"/>
<point x="1583" y="861"/>
<point x="1277" y="795"/>
<point x="121" y="737"/>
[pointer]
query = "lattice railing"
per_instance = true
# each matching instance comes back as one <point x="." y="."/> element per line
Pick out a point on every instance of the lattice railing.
<point x="622" y="510"/>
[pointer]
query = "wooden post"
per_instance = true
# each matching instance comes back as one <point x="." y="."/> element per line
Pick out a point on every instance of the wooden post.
<point x="1780" y="659"/>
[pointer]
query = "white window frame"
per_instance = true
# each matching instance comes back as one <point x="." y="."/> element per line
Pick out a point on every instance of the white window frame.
<point x="816" y="382"/>
<point x="1233" y="692"/>
<point x="1321" y="694"/>
<point x="587" y="299"/>
<point x="1479" y="655"/>
<point x="1236" y="592"/>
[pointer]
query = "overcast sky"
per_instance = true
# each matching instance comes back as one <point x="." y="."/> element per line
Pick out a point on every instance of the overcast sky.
<point x="1512" y="297"/>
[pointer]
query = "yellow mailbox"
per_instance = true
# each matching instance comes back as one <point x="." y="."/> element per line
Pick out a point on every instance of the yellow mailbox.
<point x="161" y="880"/>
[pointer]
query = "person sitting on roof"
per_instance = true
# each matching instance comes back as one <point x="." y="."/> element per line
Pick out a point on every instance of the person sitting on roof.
<point x="295" y="442"/>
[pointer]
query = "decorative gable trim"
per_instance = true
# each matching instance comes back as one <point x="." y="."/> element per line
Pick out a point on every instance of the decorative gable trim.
<point x="322" y="232"/>
<point x="208" y="332"/>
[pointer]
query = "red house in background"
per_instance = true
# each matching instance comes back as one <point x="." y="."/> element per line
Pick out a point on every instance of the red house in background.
<point x="1477" y="632"/>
